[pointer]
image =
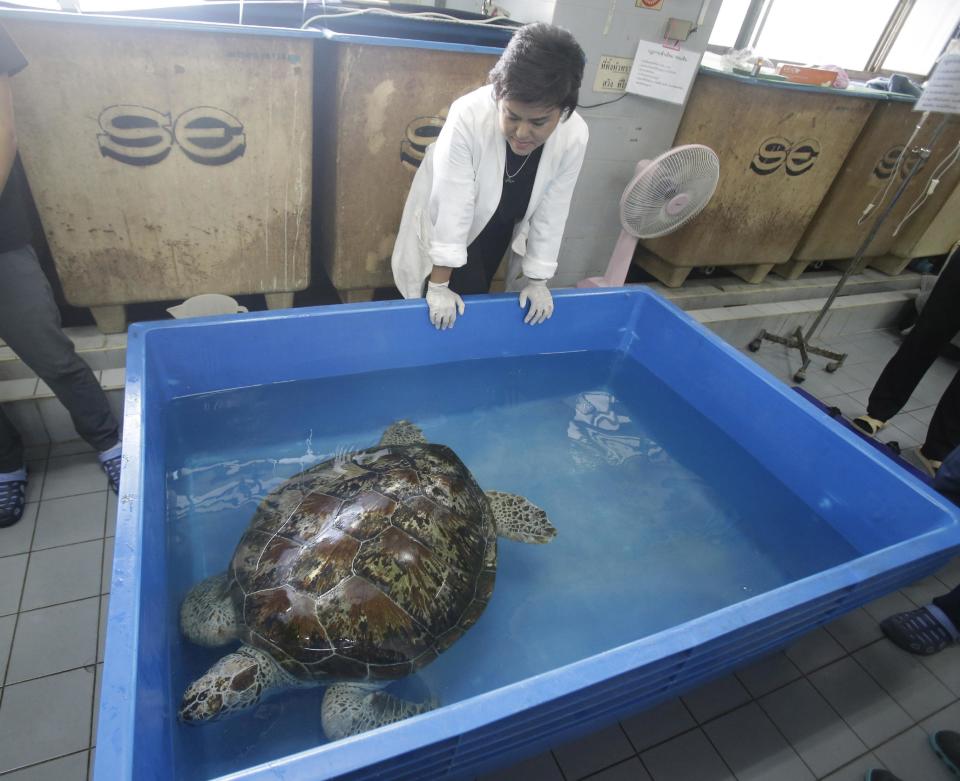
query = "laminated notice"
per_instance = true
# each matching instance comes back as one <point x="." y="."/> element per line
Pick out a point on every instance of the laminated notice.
<point x="662" y="73"/>
<point x="942" y="92"/>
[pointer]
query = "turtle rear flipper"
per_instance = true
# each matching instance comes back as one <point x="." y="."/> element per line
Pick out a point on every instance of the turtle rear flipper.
<point x="519" y="519"/>
<point x="349" y="709"/>
<point x="403" y="432"/>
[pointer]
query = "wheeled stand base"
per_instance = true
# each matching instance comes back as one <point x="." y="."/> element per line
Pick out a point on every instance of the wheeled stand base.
<point x="797" y="342"/>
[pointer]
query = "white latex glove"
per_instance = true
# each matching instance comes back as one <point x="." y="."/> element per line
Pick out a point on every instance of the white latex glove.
<point x="444" y="305"/>
<point x="541" y="302"/>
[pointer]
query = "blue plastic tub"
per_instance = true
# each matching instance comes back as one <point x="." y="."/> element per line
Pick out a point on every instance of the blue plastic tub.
<point x="899" y="529"/>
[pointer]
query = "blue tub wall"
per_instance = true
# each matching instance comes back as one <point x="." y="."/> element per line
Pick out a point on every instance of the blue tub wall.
<point x="909" y="535"/>
<point x="698" y="366"/>
<point x="340" y="340"/>
<point x="137" y="616"/>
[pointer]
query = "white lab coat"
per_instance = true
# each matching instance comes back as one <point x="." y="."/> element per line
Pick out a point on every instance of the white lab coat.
<point x="458" y="186"/>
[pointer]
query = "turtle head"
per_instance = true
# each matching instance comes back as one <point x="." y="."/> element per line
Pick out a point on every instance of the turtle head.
<point x="234" y="683"/>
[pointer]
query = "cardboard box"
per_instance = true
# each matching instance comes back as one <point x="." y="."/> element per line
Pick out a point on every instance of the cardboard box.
<point x="819" y="77"/>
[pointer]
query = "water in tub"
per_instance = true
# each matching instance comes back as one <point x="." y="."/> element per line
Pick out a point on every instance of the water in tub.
<point x="661" y="517"/>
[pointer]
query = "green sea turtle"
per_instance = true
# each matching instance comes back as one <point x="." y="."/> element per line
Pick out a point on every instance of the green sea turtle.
<point x="352" y="574"/>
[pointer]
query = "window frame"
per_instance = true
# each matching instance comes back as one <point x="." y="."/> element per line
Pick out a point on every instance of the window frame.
<point x="756" y="16"/>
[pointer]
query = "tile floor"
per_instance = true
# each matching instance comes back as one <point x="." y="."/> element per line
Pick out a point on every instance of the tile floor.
<point x="837" y="702"/>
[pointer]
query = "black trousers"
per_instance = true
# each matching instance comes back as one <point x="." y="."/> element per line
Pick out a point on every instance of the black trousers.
<point x="30" y="325"/>
<point x="938" y="323"/>
<point x="483" y="260"/>
<point x="950" y="604"/>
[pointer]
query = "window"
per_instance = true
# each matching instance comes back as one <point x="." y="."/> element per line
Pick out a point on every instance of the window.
<point x="923" y="36"/>
<point x="824" y="32"/>
<point x="46" y="5"/>
<point x="108" y="6"/>
<point x="862" y="36"/>
<point x="729" y="21"/>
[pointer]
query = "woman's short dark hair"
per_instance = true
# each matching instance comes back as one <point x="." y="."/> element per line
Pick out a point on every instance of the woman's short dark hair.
<point x="542" y="65"/>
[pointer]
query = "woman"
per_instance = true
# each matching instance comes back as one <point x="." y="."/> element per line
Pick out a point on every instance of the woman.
<point x="500" y="175"/>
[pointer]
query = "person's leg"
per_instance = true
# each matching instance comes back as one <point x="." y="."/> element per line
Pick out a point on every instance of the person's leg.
<point x="469" y="279"/>
<point x="11" y="446"/>
<point x="13" y="475"/>
<point x="483" y="259"/>
<point x="943" y="433"/>
<point x="949" y="603"/>
<point x="947" y="479"/>
<point x="30" y="325"/>
<point x="937" y="324"/>
<point x="477" y="275"/>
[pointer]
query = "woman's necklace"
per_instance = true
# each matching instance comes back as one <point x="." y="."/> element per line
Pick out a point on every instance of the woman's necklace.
<point x="509" y="177"/>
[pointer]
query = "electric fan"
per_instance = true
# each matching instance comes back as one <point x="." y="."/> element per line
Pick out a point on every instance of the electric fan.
<point x="665" y="193"/>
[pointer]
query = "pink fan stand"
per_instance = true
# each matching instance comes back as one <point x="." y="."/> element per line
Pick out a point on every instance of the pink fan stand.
<point x="622" y="256"/>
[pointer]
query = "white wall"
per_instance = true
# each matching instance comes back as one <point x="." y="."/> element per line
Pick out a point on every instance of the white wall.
<point x="621" y="133"/>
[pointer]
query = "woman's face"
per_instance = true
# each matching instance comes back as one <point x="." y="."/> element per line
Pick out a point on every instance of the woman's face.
<point x="525" y="125"/>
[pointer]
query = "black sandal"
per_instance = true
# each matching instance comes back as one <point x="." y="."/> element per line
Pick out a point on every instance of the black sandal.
<point x="869" y="426"/>
<point x="917" y="631"/>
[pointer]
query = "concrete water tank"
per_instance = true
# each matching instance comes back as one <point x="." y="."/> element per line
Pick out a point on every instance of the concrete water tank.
<point x="934" y="236"/>
<point x="380" y="103"/>
<point x="167" y="160"/>
<point x="780" y="147"/>
<point x="834" y="233"/>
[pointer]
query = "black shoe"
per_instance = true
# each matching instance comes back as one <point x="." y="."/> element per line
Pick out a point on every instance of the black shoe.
<point x="947" y="745"/>
<point x="13" y="500"/>
<point x="917" y="631"/>
<point x="881" y="775"/>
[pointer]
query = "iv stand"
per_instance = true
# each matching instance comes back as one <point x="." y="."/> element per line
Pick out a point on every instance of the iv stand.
<point x="800" y="341"/>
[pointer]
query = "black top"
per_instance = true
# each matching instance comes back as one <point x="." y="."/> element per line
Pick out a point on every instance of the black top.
<point x="14" y="228"/>
<point x="486" y="251"/>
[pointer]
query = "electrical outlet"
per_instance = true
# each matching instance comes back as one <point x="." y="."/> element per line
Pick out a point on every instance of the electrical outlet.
<point x="678" y="29"/>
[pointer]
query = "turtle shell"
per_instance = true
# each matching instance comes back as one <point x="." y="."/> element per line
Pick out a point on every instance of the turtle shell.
<point x="368" y="567"/>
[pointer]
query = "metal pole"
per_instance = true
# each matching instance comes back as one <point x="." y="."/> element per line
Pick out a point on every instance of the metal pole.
<point x="922" y="154"/>
<point x="799" y="340"/>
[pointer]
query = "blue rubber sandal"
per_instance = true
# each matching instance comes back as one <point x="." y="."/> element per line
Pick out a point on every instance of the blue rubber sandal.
<point x="112" y="467"/>
<point x="13" y="500"/>
<point x="918" y="631"/>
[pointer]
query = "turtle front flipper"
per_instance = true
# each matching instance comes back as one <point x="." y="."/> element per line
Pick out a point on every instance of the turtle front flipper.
<point x="403" y="432"/>
<point x="519" y="519"/>
<point x="236" y="682"/>
<point x="349" y="709"/>
<point x="208" y="615"/>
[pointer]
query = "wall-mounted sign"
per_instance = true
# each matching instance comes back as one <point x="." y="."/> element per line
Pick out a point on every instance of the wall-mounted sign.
<point x="612" y="73"/>
<point x="661" y="73"/>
